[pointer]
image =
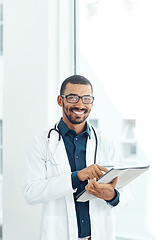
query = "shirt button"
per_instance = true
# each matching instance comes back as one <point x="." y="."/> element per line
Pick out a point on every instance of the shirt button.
<point x="76" y="139"/>
<point x="82" y="221"/>
<point x="76" y="157"/>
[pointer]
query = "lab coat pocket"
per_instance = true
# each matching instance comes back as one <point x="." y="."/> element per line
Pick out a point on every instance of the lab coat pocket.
<point x="55" y="227"/>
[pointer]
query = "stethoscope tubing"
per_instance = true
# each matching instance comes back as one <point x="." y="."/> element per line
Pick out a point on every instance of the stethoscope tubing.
<point x="54" y="129"/>
<point x="59" y="138"/>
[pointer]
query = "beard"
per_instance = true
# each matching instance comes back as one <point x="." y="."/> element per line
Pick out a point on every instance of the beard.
<point x="75" y="119"/>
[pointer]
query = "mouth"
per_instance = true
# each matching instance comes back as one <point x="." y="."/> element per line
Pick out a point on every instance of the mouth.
<point x="78" y="111"/>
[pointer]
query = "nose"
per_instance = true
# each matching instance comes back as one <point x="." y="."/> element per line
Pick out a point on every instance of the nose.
<point x="79" y="104"/>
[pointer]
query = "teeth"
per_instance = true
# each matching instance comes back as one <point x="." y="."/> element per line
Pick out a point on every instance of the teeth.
<point x="78" y="112"/>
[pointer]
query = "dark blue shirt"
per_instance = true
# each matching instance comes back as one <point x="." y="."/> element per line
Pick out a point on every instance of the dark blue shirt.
<point x="76" y="151"/>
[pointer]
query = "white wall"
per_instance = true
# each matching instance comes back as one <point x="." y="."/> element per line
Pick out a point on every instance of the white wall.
<point x="1" y="86"/>
<point x="61" y="50"/>
<point x="25" y="107"/>
<point x="38" y="55"/>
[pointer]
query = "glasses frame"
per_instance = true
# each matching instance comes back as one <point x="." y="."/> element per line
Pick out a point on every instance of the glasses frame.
<point x="66" y="96"/>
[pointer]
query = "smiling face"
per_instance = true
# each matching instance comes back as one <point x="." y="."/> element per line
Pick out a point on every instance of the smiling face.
<point x="75" y="114"/>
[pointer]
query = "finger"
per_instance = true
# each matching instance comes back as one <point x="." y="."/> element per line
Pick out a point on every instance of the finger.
<point x="114" y="182"/>
<point x="102" y="168"/>
<point x="90" y="184"/>
<point x="94" y="172"/>
<point x="95" y="184"/>
<point x="92" y="175"/>
<point x="90" y="189"/>
<point x="98" y="171"/>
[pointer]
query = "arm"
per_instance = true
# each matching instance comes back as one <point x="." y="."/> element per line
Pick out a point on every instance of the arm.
<point x="103" y="191"/>
<point x="37" y="187"/>
<point x="93" y="171"/>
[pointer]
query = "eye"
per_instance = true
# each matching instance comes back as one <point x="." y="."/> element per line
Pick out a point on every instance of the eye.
<point x="72" y="98"/>
<point x="87" y="99"/>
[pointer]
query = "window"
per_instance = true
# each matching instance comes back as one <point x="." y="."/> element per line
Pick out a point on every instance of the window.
<point x="0" y="146"/>
<point x="129" y="148"/>
<point x="1" y="29"/>
<point x="1" y="118"/>
<point x="118" y="50"/>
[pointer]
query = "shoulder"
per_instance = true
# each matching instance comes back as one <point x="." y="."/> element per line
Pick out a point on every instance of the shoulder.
<point x="101" y="136"/>
<point x="41" y="137"/>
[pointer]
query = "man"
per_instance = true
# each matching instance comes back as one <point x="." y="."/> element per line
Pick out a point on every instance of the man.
<point x="60" y="167"/>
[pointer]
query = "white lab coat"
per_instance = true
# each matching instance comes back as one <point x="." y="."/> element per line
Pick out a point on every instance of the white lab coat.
<point x="48" y="181"/>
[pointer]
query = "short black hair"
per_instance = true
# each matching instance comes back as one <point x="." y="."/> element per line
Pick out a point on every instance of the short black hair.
<point x="75" y="79"/>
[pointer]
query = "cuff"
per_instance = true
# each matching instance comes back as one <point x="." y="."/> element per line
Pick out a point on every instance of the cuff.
<point x="115" y="200"/>
<point x="75" y="180"/>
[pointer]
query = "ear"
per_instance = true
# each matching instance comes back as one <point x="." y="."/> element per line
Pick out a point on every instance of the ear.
<point x="59" y="101"/>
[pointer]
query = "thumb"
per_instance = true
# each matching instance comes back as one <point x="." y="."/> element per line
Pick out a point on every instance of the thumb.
<point x="114" y="182"/>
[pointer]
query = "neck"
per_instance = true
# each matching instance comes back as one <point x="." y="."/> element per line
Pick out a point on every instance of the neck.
<point x="78" y="128"/>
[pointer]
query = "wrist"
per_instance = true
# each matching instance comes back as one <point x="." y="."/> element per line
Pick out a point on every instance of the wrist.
<point x="80" y="176"/>
<point x="75" y="180"/>
<point x="116" y="200"/>
<point x="112" y="197"/>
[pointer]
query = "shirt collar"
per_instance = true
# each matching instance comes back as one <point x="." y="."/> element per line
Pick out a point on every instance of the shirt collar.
<point x="64" y="129"/>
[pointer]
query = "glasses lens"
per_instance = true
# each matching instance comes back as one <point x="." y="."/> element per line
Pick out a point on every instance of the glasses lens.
<point x="75" y="99"/>
<point x="87" y="99"/>
<point x="72" y="98"/>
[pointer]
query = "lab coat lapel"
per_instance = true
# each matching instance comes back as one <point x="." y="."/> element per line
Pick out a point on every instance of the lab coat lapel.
<point x="90" y="151"/>
<point x="59" y="154"/>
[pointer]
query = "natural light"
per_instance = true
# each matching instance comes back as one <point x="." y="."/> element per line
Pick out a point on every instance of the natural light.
<point x="119" y="40"/>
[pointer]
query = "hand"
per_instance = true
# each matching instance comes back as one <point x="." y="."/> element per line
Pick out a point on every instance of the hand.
<point x="93" y="171"/>
<point x="102" y="190"/>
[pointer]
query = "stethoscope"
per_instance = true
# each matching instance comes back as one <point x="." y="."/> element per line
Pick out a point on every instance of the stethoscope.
<point x="60" y="136"/>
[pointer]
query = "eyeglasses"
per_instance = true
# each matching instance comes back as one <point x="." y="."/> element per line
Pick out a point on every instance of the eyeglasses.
<point x="73" y="98"/>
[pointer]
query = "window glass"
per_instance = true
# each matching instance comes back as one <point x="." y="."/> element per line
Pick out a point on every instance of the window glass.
<point x="1" y="119"/>
<point x="1" y="29"/>
<point x="118" y="50"/>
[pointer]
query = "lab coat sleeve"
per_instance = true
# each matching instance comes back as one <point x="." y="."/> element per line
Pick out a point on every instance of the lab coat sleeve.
<point x="37" y="188"/>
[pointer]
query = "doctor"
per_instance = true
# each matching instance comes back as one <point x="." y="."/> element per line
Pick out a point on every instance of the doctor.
<point x="61" y="166"/>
